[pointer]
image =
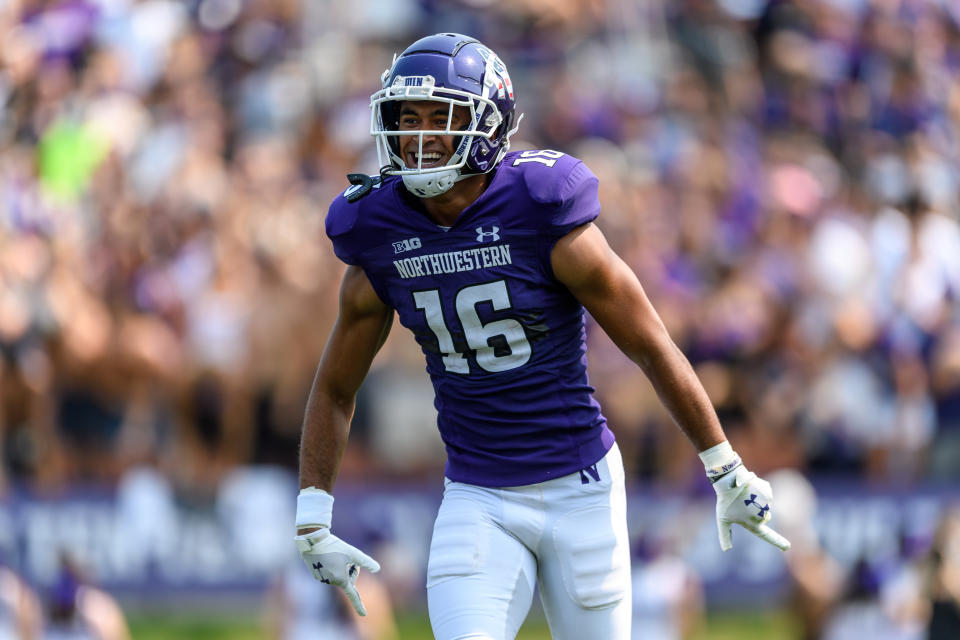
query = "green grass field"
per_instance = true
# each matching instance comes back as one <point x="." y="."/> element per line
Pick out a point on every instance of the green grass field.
<point x="720" y="626"/>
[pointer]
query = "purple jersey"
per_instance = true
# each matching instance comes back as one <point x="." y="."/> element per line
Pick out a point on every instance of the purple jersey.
<point x="503" y="339"/>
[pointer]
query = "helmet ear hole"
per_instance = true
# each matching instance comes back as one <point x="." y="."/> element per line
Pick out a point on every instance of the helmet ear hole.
<point x="390" y="115"/>
<point x="390" y="121"/>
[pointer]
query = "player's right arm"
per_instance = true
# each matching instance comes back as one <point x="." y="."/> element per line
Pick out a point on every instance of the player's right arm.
<point x="362" y="326"/>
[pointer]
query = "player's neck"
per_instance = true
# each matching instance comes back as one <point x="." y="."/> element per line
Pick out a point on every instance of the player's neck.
<point x="447" y="207"/>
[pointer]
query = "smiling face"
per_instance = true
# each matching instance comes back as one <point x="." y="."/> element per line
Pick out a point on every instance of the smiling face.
<point x="418" y="115"/>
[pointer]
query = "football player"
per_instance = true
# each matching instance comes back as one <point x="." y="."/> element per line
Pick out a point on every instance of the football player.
<point x="490" y="258"/>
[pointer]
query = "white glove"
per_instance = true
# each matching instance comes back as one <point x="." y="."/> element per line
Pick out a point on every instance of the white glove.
<point x="742" y="497"/>
<point x="330" y="559"/>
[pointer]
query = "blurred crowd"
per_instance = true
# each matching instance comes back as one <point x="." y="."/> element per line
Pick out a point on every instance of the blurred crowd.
<point x="781" y="174"/>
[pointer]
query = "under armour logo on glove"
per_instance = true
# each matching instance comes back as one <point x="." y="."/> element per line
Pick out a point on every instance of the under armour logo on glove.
<point x="333" y="561"/>
<point x="753" y="501"/>
<point x="732" y="491"/>
<point x="316" y="571"/>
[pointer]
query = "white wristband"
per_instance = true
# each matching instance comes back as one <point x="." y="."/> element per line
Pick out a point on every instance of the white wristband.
<point x="314" y="508"/>
<point x="719" y="460"/>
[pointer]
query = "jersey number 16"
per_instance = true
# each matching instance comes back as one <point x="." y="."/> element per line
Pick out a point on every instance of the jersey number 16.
<point x="482" y="339"/>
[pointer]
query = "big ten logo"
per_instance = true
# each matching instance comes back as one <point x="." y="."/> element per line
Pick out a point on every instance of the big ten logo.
<point x="406" y="245"/>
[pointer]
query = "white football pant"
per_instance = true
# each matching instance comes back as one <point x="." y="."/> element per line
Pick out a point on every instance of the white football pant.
<point x="568" y="535"/>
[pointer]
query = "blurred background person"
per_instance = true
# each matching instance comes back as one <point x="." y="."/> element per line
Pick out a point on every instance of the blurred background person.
<point x="944" y="579"/>
<point x="870" y="605"/>
<point x="297" y="610"/>
<point x="76" y="610"/>
<point x="20" y="612"/>
<point x="816" y="578"/>
<point x="668" y="598"/>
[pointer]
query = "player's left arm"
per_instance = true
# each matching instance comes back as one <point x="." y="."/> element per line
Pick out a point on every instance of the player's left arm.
<point x="607" y="288"/>
<point x="604" y="284"/>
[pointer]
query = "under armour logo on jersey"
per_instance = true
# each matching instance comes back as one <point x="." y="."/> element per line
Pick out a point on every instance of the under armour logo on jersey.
<point x="592" y="472"/>
<point x="488" y="236"/>
<point x="753" y="501"/>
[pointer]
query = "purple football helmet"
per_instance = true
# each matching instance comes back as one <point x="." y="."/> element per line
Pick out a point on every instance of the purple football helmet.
<point x="459" y="71"/>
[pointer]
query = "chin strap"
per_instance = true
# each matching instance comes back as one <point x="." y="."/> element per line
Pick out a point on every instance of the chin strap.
<point x="430" y="185"/>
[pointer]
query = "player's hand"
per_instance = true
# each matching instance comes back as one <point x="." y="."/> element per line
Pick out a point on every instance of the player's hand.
<point x="333" y="561"/>
<point x="745" y="499"/>
<point x="330" y="559"/>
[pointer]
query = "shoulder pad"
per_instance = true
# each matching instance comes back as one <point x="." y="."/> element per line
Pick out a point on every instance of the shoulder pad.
<point x="545" y="172"/>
